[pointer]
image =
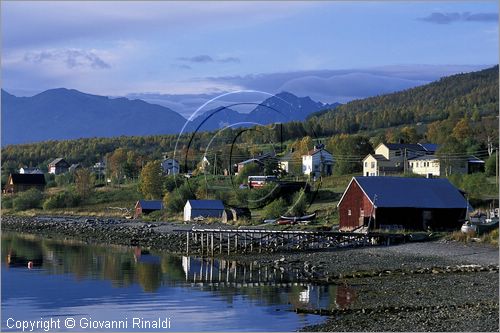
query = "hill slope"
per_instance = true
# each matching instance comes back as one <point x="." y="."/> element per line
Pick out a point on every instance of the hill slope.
<point x="452" y="95"/>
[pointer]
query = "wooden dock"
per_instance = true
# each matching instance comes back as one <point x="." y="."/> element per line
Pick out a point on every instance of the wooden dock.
<point x="211" y="242"/>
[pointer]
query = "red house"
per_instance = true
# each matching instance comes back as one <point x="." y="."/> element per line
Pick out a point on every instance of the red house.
<point x="406" y="203"/>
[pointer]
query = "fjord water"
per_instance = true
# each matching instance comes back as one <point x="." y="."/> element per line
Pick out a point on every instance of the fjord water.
<point x="71" y="279"/>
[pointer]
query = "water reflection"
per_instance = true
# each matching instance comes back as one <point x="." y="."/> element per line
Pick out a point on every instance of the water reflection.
<point x="172" y="281"/>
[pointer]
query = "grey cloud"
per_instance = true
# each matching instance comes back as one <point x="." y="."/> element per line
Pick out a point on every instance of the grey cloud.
<point x="229" y="59"/>
<point x="447" y="18"/>
<point x="203" y="58"/>
<point x="181" y="66"/>
<point x="73" y="58"/>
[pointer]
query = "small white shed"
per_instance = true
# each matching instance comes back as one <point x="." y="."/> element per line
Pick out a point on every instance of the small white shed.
<point x="204" y="208"/>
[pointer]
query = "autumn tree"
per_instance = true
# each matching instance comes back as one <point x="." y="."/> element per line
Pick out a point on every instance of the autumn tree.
<point x="84" y="183"/>
<point x="151" y="183"/>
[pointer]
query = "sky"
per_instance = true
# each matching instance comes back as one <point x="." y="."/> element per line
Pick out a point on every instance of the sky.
<point x="175" y="52"/>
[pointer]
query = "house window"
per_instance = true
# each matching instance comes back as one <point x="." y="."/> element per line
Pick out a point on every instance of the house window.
<point x="361" y="212"/>
<point x="349" y="212"/>
<point x="398" y="153"/>
<point x="373" y="165"/>
<point x="366" y="164"/>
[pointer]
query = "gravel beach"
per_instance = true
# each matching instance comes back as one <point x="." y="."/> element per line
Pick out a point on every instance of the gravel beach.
<point x="428" y="286"/>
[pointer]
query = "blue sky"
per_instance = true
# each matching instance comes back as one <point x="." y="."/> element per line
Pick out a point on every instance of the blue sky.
<point x="120" y="48"/>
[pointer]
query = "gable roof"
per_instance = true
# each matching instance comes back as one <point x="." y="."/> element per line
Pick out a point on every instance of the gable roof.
<point x="410" y="192"/>
<point x="151" y="204"/>
<point x="429" y="147"/>
<point x="251" y="160"/>
<point x="57" y="161"/>
<point x="402" y="146"/>
<point x="206" y="204"/>
<point x="28" y="178"/>
<point x="315" y="151"/>
<point x="377" y="157"/>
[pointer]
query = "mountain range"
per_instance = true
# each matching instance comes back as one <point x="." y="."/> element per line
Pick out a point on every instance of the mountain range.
<point x="59" y="114"/>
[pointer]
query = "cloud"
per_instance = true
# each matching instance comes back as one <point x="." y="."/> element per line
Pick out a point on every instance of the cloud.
<point x="447" y="18"/>
<point x="72" y="58"/>
<point x="197" y="59"/>
<point x="344" y="85"/>
<point x="203" y="58"/>
<point x="182" y="66"/>
<point x="228" y="59"/>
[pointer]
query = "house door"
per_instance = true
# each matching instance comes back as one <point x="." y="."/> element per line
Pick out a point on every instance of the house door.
<point x="426" y="219"/>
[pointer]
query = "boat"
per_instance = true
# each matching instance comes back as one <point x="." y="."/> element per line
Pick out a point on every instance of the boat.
<point x="298" y="218"/>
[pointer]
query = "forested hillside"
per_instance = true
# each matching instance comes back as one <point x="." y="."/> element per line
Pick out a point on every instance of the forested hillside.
<point x="475" y="94"/>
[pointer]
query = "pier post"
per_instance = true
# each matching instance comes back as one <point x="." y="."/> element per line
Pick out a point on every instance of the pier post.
<point x="212" y="243"/>
<point x="228" y="242"/>
<point x="201" y="243"/>
<point x="220" y="242"/>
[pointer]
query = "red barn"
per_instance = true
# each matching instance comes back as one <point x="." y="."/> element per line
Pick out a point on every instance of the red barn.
<point x="408" y="203"/>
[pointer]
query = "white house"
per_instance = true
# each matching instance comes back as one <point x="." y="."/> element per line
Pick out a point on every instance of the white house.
<point x="431" y="166"/>
<point x="170" y="166"/>
<point x="390" y="158"/>
<point x="203" y="208"/>
<point x="58" y="166"/>
<point x="427" y="165"/>
<point x="317" y="162"/>
<point x="285" y="163"/>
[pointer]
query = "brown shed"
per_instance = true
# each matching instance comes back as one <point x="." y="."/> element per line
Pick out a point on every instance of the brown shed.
<point x="19" y="182"/>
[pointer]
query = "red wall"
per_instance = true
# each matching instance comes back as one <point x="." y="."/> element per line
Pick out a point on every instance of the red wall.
<point x="354" y="200"/>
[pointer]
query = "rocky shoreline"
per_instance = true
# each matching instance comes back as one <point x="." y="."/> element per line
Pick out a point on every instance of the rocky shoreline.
<point x="431" y="286"/>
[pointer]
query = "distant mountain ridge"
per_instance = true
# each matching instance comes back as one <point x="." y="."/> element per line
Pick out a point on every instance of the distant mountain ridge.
<point x="58" y="114"/>
<point x="283" y="107"/>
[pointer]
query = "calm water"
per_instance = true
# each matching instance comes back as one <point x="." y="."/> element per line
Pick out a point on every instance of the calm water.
<point x="48" y="279"/>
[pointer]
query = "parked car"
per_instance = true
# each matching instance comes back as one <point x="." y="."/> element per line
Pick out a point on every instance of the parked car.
<point x="243" y="186"/>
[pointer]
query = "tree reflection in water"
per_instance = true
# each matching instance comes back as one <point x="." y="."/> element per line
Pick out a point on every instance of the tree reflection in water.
<point x="125" y="266"/>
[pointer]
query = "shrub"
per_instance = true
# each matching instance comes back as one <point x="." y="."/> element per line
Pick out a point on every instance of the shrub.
<point x="28" y="199"/>
<point x="61" y="200"/>
<point x="275" y="209"/>
<point x="64" y="179"/>
<point x="299" y="203"/>
<point x="7" y="201"/>
<point x="491" y="237"/>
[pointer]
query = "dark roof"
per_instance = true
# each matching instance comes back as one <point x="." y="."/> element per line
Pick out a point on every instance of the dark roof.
<point x="28" y="178"/>
<point x="429" y="147"/>
<point x="411" y="192"/>
<point x="474" y="159"/>
<point x="424" y="158"/>
<point x="315" y="151"/>
<point x="206" y="204"/>
<point x="379" y="157"/>
<point x="151" y="204"/>
<point x="57" y="161"/>
<point x="402" y="146"/>
<point x="254" y="160"/>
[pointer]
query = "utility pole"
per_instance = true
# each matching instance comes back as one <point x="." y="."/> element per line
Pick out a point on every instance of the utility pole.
<point x="404" y="161"/>
<point x="496" y="168"/>
<point x="215" y="164"/>
<point x="490" y="146"/>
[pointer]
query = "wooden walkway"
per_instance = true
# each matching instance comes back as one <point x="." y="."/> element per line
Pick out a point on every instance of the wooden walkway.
<point x="218" y="241"/>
